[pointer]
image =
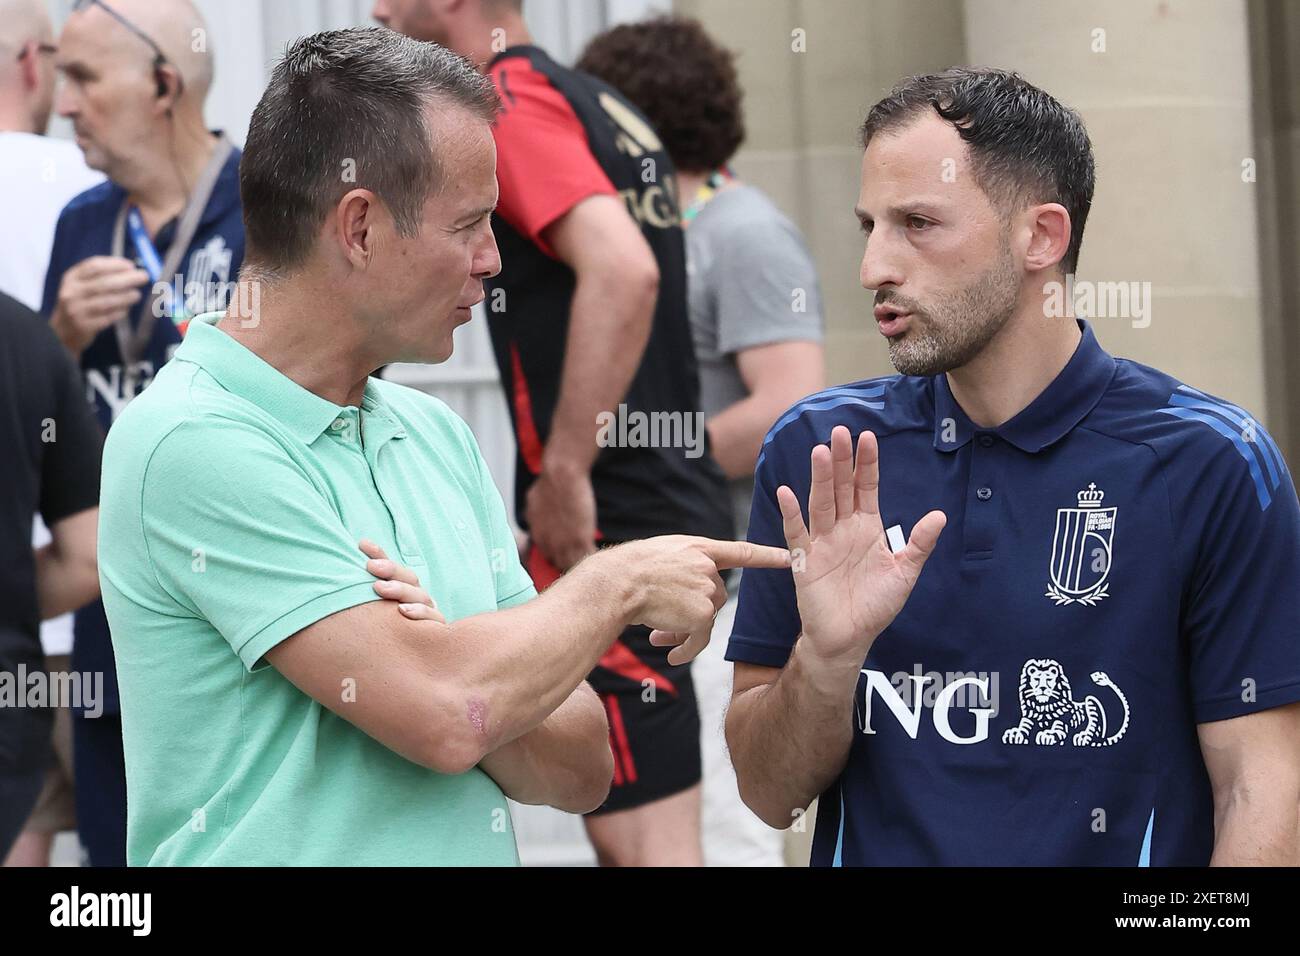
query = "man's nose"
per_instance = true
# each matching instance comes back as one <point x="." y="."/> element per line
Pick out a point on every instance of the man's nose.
<point x="65" y="100"/>
<point x="879" y="264"/>
<point x="488" y="262"/>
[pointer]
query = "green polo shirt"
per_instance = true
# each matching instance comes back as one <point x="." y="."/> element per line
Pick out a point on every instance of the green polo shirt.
<point x="231" y="507"/>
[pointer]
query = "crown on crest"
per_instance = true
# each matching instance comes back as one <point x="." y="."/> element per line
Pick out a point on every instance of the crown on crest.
<point x="1090" y="497"/>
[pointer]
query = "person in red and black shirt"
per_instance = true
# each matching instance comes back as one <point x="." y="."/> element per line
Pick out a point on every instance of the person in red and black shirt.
<point x="591" y="333"/>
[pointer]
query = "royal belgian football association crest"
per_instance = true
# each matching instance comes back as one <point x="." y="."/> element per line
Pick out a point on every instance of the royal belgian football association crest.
<point x="1081" y="550"/>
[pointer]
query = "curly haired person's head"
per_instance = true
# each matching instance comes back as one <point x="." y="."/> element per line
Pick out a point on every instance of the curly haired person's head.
<point x="683" y="81"/>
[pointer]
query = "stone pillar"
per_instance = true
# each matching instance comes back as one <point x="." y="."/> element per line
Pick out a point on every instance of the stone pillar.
<point x="1275" y="70"/>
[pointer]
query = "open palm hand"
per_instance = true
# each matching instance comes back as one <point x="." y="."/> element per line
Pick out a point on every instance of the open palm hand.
<point x="849" y="582"/>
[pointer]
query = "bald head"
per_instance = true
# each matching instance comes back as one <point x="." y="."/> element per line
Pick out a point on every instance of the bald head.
<point x="176" y="26"/>
<point x="23" y="20"/>
<point x="26" y="74"/>
<point x="119" y="105"/>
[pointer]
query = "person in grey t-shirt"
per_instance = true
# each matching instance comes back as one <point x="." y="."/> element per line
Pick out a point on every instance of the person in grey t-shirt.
<point x="755" y="303"/>
<point x="756" y="319"/>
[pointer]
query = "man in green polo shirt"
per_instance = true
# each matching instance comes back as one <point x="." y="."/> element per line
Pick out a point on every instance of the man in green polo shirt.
<point x="275" y="709"/>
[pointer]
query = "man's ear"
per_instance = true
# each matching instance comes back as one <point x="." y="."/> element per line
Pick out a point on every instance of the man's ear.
<point x="1049" y="236"/>
<point x="29" y="61"/>
<point x="168" y="86"/>
<point x="356" y="216"/>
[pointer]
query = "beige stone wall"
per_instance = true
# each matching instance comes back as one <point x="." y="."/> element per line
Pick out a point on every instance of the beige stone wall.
<point x="1275" y="68"/>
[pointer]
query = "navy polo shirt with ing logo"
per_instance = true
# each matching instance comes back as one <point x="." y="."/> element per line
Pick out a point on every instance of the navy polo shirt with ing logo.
<point x="1120" y="564"/>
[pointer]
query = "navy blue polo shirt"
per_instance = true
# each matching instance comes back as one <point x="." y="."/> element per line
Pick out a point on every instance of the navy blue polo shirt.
<point x="209" y="270"/>
<point x="1119" y="564"/>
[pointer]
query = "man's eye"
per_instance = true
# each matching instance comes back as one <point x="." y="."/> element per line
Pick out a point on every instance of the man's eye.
<point x="865" y="227"/>
<point x="917" y="223"/>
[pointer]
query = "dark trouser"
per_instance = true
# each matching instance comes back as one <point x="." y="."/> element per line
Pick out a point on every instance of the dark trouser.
<point x="24" y="756"/>
<point x="101" y="788"/>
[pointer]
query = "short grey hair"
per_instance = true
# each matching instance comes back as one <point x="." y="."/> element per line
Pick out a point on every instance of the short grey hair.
<point x="345" y="109"/>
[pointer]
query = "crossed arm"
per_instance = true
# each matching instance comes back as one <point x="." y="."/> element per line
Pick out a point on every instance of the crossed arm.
<point x="452" y="696"/>
<point x="504" y="690"/>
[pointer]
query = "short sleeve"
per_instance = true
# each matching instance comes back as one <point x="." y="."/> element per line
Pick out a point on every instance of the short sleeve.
<point x="545" y="166"/>
<point x="1242" y="607"/>
<point x="767" y="615"/>
<point x="239" y="535"/>
<point x="70" y="468"/>
<point x="766" y="287"/>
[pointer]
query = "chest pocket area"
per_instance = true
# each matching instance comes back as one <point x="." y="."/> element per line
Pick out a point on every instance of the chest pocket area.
<point x="459" y="570"/>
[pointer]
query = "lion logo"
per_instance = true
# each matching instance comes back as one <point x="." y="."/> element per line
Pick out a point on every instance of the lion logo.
<point x="1049" y="713"/>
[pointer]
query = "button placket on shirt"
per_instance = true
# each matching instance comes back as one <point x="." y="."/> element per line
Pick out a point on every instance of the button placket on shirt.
<point x="344" y="428"/>
<point x="982" y="508"/>
<point x="383" y="432"/>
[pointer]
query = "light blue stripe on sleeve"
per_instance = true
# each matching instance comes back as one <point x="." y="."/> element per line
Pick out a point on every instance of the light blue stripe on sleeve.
<point x="1245" y="417"/>
<point x="1245" y="424"/>
<point x="1188" y="414"/>
<point x="859" y="397"/>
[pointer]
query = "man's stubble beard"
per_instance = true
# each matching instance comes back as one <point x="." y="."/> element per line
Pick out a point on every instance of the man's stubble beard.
<point x="951" y="333"/>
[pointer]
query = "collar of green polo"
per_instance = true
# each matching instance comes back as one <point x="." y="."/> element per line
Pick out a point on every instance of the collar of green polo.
<point x="243" y="373"/>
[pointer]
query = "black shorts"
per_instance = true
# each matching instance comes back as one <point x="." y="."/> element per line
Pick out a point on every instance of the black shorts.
<point x="654" y="723"/>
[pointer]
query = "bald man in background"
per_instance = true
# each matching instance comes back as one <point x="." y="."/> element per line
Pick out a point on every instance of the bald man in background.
<point x="132" y="260"/>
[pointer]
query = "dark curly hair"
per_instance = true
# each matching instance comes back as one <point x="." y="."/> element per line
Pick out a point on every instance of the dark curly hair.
<point x="684" y="83"/>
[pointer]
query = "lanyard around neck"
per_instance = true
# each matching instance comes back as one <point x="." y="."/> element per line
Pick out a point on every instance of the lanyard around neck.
<point x="133" y="346"/>
<point x="706" y="191"/>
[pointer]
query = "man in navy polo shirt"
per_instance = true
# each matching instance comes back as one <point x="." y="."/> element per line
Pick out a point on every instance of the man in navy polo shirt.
<point x="133" y="259"/>
<point x="1100" y="662"/>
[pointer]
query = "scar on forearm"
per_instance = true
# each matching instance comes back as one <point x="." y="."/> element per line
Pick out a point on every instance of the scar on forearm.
<point x="477" y="713"/>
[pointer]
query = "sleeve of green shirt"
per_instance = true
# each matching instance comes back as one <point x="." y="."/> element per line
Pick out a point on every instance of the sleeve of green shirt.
<point x="237" y="534"/>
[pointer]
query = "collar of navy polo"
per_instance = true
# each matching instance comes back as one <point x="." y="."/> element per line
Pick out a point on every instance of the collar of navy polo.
<point x="1049" y="417"/>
